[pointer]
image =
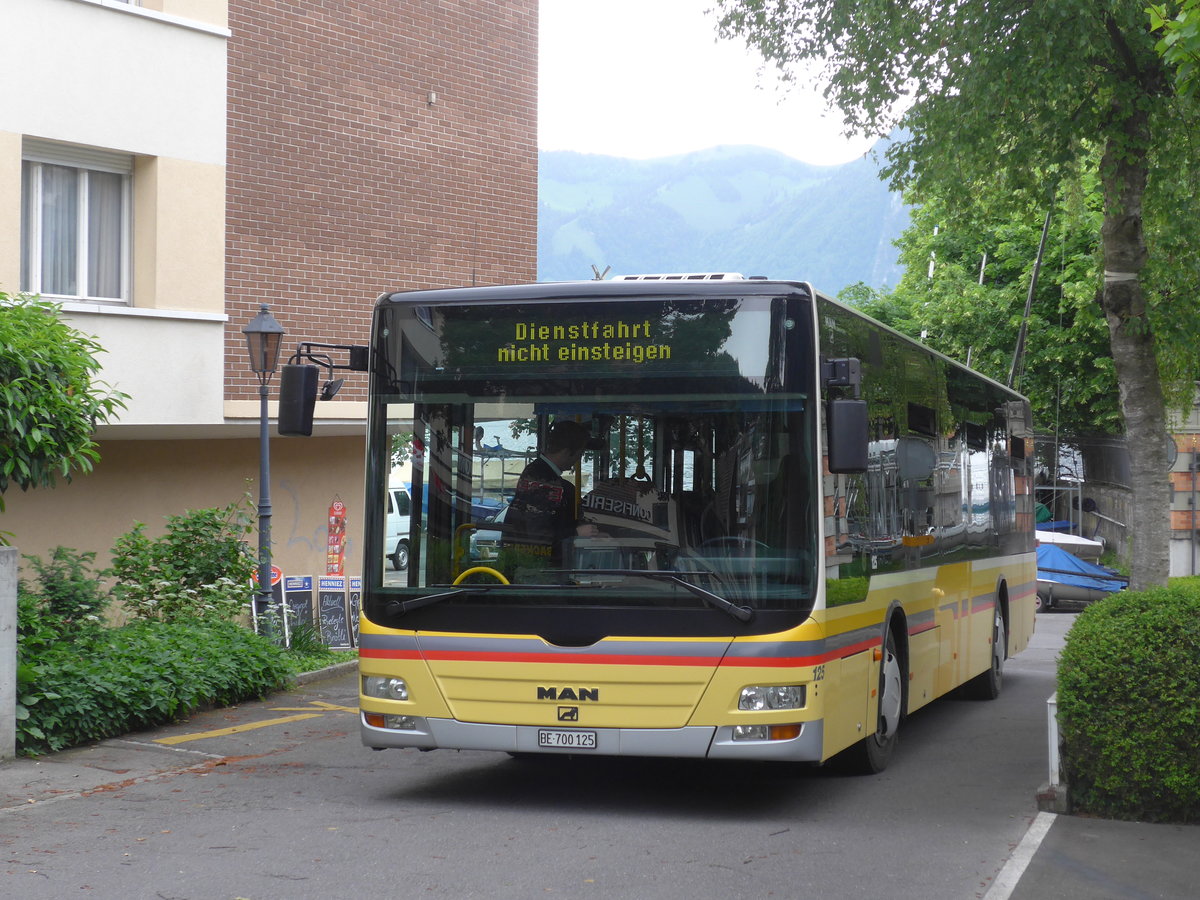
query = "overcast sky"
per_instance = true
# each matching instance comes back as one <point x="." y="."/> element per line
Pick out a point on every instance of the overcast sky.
<point x="647" y="78"/>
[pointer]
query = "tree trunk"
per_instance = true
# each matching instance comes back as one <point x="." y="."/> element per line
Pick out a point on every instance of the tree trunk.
<point x="1124" y="173"/>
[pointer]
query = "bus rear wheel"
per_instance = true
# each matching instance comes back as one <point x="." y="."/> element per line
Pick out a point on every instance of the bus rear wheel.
<point x="986" y="685"/>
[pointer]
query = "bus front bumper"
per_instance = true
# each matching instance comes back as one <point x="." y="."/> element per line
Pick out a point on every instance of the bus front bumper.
<point x="695" y="742"/>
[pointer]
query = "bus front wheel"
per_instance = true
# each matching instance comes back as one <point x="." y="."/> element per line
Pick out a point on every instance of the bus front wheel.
<point x="872" y="754"/>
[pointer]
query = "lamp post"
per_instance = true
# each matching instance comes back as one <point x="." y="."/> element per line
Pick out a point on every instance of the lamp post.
<point x="263" y="338"/>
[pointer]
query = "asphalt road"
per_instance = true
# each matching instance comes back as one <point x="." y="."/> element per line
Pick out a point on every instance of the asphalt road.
<point x="279" y="799"/>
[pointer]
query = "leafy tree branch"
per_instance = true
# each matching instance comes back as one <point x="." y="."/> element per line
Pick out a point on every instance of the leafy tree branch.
<point x="50" y="402"/>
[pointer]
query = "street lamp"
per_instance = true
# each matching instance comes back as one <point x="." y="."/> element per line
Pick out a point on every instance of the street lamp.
<point x="263" y="338"/>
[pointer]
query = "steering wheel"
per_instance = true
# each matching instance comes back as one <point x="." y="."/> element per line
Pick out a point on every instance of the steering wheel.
<point x="481" y="570"/>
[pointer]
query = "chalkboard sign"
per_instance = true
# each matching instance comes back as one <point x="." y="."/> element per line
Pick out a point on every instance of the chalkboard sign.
<point x="331" y="612"/>
<point x="298" y="595"/>
<point x="355" y="596"/>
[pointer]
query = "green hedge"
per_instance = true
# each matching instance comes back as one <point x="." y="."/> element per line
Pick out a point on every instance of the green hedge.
<point x="1129" y="706"/>
<point x="114" y="681"/>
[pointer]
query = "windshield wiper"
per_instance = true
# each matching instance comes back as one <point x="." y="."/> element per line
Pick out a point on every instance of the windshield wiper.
<point x="741" y="613"/>
<point x="399" y="607"/>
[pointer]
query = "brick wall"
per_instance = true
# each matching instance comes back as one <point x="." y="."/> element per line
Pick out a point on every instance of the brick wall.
<point x="374" y="145"/>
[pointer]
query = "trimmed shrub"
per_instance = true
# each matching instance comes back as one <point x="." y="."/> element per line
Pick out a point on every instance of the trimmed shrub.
<point x="148" y="673"/>
<point x="199" y="569"/>
<point x="1129" y="706"/>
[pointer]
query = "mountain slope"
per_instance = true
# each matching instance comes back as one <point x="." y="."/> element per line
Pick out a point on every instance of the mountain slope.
<point x="729" y="209"/>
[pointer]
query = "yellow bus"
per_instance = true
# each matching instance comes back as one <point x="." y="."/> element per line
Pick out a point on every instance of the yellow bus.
<point x="791" y="526"/>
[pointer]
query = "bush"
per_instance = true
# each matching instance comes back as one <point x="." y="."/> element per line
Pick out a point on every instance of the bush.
<point x="148" y="673"/>
<point x="79" y="682"/>
<point x="63" y="605"/>
<point x="200" y="568"/>
<point x="1129" y="706"/>
<point x="66" y="590"/>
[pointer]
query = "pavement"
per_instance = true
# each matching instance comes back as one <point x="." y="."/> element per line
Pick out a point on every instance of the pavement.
<point x="112" y="764"/>
<point x="1077" y="858"/>
<point x="1061" y="857"/>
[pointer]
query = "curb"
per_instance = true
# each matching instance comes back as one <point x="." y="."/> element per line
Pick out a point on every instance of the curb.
<point x="1054" y="798"/>
<point x="333" y="671"/>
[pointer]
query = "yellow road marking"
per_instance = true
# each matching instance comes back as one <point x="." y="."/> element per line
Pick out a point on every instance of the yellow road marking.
<point x="319" y="704"/>
<point x="221" y="732"/>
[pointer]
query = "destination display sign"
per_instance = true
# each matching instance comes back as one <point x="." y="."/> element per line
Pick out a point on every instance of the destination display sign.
<point x="487" y="349"/>
<point x="625" y="341"/>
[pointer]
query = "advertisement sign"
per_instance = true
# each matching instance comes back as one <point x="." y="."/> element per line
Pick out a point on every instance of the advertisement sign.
<point x="332" y="615"/>
<point x="335" y="560"/>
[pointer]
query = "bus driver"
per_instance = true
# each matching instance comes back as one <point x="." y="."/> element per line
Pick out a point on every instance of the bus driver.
<point x="544" y="510"/>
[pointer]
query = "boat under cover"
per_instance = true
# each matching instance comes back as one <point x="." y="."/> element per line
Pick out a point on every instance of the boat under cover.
<point x="1062" y="576"/>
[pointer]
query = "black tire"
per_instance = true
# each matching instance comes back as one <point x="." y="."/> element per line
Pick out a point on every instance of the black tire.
<point x="400" y="557"/>
<point x="872" y="754"/>
<point x="988" y="684"/>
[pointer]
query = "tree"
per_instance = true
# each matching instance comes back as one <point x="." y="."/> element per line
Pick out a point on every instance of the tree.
<point x="967" y="278"/>
<point x="1011" y="98"/>
<point x="1180" y="43"/>
<point x="50" y="403"/>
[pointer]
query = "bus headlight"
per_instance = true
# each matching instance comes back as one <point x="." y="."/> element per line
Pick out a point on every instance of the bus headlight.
<point x="384" y="687"/>
<point x="759" y="697"/>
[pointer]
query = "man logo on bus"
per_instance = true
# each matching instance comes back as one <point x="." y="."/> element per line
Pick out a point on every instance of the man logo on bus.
<point x="568" y="714"/>
<point x="579" y="695"/>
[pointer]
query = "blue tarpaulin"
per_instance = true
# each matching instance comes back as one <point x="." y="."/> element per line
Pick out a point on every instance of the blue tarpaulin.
<point x="1056" y="564"/>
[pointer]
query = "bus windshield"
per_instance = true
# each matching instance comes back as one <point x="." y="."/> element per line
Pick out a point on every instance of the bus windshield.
<point x="629" y="455"/>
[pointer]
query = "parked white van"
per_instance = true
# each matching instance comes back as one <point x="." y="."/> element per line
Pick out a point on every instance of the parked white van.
<point x="395" y="541"/>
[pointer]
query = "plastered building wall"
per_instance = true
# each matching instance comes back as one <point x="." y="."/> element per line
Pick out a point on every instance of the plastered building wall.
<point x="144" y="481"/>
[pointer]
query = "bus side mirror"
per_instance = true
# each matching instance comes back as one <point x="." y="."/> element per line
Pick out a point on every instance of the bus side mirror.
<point x="297" y="399"/>
<point x="846" y="435"/>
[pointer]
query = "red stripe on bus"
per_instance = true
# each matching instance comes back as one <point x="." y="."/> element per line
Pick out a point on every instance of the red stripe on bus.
<point x="757" y="662"/>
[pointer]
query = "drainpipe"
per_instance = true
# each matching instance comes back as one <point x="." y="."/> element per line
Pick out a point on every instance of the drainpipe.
<point x="1195" y="454"/>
